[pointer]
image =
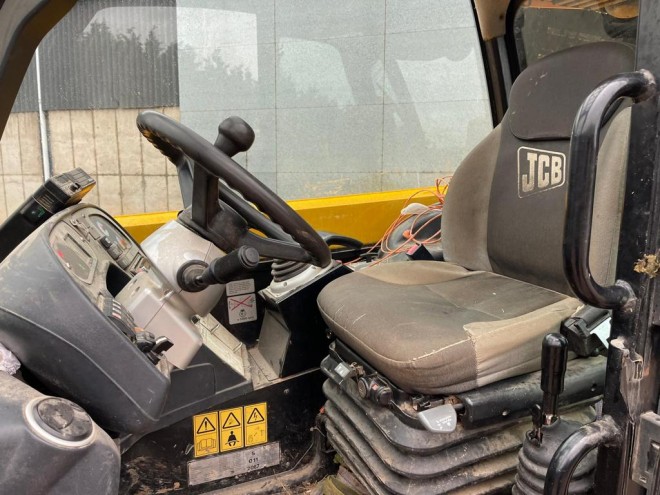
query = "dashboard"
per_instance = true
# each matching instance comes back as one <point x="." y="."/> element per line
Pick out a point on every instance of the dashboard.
<point x="102" y="259"/>
<point x="89" y="237"/>
<point x="64" y="313"/>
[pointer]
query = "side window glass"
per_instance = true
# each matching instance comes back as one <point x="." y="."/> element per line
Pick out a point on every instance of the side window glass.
<point x="542" y="27"/>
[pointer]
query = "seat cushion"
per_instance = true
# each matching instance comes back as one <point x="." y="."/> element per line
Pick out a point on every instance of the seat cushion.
<point x="437" y="328"/>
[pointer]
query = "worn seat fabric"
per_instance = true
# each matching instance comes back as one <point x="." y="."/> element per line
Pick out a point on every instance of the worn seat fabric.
<point x="480" y="316"/>
<point x="439" y="328"/>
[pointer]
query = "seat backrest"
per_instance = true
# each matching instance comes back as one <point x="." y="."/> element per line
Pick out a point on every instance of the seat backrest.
<point x="505" y="206"/>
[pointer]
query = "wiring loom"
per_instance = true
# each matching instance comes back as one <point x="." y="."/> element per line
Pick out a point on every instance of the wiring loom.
<point x="412" y="235"/>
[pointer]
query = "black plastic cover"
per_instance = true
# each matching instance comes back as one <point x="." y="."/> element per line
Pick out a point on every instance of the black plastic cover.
<point x="35" y="463"/>
<point x="61" y="336"/>
<point x="514" y="397"/>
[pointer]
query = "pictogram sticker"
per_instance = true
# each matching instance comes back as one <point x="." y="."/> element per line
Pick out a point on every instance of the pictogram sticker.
<point x="256" y="424"/>
<point x="231" y="421"/>
<point x="242" y="308"/>
<point x="231" y="433"/>
<point x="205" y="428"/>
<point x="230" y="429"/>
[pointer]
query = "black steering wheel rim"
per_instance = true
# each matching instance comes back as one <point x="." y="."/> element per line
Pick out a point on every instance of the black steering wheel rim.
<point x="177" y="141"/>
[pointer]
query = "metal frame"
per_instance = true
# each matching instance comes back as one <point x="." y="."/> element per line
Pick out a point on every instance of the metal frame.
<point x="632" y="383"/>
<point x="23" y="24"/>
<point x="631" y="386"/>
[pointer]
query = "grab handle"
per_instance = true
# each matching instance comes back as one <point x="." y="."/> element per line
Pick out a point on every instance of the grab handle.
<point x="574" y="449"/>
<point x="583" y="158"/>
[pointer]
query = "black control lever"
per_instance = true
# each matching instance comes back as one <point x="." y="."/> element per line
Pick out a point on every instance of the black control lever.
<point x="234" y="135"/>
<point x="554" y="357"/>
<point x="195" y="276"/>
<point x="152" y="347"/>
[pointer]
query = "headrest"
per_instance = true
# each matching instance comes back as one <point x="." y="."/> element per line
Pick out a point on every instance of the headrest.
<point x="547" y="95"/>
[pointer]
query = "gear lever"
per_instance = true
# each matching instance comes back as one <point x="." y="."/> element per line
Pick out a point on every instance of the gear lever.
<point x="549" y="430"/>
<point x="554" y="356"/>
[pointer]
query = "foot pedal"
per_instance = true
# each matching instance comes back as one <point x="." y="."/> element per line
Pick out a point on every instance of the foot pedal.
<point x="440" y="419"/>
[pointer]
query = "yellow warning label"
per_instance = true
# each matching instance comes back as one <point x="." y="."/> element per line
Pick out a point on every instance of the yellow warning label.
<point x="231" y="431"/>
<point x="256" y="424"/>
<point x="205" y="428"/>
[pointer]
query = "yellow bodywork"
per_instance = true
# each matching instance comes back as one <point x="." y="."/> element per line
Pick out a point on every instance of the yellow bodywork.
<point x="363" y="216"/>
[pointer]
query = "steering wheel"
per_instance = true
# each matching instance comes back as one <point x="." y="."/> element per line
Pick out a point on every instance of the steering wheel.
<point x="227" y="222"/>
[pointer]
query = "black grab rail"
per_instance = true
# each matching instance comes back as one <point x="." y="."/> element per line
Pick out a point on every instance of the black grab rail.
<point x="583" y="157"/>
<point x="574" y="449"/>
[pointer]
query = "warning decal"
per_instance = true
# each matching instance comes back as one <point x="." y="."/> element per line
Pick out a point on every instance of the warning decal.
<point x="256" y="426"/>
<point x="205" y="428"/>
<point x="231" y="434"/>
<point x="230" y="429"/>
<point x="242" y="308"/>
<point x="255" y="417"/>
<point x="240" y="287"/>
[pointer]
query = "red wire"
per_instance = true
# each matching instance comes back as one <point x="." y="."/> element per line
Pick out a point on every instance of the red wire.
<point x="383" y="242"/>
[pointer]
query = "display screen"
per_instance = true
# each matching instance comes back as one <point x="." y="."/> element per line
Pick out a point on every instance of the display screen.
<point x="74" y="257"/>
<point x="110" y="231"/>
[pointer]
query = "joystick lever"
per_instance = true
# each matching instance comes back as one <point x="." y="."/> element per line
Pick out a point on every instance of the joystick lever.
<point x="554" y="356"/>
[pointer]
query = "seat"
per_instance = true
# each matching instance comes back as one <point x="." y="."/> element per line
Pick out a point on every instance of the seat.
<point x="478" y="317"/>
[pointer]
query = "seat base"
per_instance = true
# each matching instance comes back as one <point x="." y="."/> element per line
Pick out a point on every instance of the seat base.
<point x="584" y="382"/>
<point x="400" y="459"/>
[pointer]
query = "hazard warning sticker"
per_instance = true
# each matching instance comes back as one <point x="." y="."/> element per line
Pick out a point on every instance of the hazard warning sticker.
<point x="256" y="426"/>
<point x="230" y="429"/>
<point x="231" y="433"/>
<point x="205" y="428"/>
<point x="242" y="308"/>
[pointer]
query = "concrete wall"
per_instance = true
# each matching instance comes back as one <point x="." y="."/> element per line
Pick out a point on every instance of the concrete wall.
<point x="20" y="161"/>
<point x="132" y="177"/>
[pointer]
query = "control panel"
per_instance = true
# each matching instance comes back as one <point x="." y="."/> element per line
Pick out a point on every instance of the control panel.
<point x="101" y="259"/>
<point x="114" y="272"/>
<point x="60" y="314"/>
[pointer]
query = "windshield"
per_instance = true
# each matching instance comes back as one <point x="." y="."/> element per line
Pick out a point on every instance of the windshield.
<point x="345" y="97"/>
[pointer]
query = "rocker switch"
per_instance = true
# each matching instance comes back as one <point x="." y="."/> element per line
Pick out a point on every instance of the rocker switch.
<point x="111" y="247"/>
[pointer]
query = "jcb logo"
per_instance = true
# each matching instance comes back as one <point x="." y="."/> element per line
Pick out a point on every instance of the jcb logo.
<point x="539" y="170"/>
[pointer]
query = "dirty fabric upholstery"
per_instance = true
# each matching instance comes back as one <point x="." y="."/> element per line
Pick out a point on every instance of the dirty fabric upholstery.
<point x="447" y="327"/>
<point x="489" y="323"/>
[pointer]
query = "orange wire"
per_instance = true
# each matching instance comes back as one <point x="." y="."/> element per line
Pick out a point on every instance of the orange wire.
<point x="383" y="242"/>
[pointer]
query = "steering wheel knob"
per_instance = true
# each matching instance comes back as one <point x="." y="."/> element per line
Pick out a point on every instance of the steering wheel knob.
<point x="234" y="135"/>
